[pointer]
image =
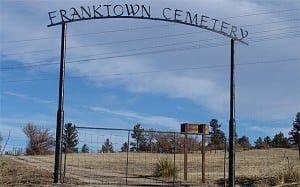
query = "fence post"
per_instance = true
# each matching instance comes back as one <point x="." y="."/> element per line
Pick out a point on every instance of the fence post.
<point x="203" y="158"/>
<point x="225" y="161"/>
<point x="127" y="156"/>
<point x="174" y="164"/>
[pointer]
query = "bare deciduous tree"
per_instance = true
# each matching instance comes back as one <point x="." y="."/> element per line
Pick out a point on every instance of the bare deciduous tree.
<point x="40" y="140"/>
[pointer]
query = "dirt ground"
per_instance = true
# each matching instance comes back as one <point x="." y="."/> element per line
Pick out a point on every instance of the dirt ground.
<point x="15" y="173"/>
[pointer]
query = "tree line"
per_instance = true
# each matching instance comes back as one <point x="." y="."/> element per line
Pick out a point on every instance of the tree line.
<point x="41" y="141"/>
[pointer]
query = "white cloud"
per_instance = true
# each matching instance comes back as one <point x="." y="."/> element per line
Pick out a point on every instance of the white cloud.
<point x="270" y="131"/>
<point x="168" y="122"/>
<point x="29" y="98"/>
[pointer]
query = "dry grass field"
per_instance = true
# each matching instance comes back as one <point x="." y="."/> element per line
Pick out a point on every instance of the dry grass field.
<point x="16" y="173"/>
<point x="253" y="167"/>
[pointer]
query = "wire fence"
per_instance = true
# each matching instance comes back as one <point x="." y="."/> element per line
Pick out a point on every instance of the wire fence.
<point x="118" y="157"/>
<point x="115" y="157"/>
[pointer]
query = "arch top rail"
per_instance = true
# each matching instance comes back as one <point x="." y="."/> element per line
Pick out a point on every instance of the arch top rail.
<point x="143" y="12"/>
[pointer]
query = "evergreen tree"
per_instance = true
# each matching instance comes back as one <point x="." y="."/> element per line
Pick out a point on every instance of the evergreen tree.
<point x="70" y="138"/>
<point x="295" y="132"/>
<point x="267" y="141"/>
<point x="259" y="143"/>
<point x="125" y="147"/>
<point x="280" y="141"/>
<point x="85" y="148"/>
<point x="138" y="135"/>
<point x="107" y="147"/>
<point x="217" y="135"/>
<point x="244" y="142"/>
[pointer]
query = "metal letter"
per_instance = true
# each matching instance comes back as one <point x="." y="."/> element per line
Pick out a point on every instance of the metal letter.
<point x="133" y="12"/>
<point x="63" y="15"/>
<point x="167" y="18"/>
<point x="147" y="12"/>
<point x="224" y="27"/>
<point x="188" y="15"/>
<point x="244" y="36"/>
<point x="203" y="20"/>
<point x="177" y="11"/>
<point x="107" y="7"/>
<point x="49" y="13"/>
<point x="75" y="13"/>
<point x="214" y="22"/>
<point x="96" y="11"/>
<point x="88" y="13"/>
<point x="233" y="30"/>
<point x="121" y="8"/>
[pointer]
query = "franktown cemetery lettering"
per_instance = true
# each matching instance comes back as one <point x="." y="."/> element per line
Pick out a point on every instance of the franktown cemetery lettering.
<point x="139" y="11"/>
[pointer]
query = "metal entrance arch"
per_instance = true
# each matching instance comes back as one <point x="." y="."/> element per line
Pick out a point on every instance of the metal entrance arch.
<point x="190" y="20"/>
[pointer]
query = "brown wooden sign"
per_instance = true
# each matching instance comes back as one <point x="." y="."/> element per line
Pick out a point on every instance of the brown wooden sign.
<point x="190" y="128"/>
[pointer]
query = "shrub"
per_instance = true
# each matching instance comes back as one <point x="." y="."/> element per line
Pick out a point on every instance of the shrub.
<point x="165" y="168"/>
<point x="286" y="174"/>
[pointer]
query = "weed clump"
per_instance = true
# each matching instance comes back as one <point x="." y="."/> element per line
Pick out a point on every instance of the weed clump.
<point x="286" y="174"/>
<point x="165" y="168"/>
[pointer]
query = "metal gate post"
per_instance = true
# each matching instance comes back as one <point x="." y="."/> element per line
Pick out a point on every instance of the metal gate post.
<point x="203" y="158"/>
<point x="232" y="120"/>
<point x="60" y="111"/>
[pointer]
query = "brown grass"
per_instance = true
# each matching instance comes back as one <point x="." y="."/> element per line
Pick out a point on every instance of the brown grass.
<point x="14" y="173"/>
<point x="256" y="167"/>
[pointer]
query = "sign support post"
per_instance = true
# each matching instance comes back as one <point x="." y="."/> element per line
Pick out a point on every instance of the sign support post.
<point x="232" y="120"/>
<point x="203" y="158"/>
<point x="60" y="111"/>
<point x="185" y="159"/>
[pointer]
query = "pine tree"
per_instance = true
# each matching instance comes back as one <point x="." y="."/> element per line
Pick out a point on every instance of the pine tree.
<point x="280" y="141"/>
<point x="107" y="147"/>
<point x="125" y="147"/>
<point x="138" y="135"/>
<point x="85" y="148"/>
<point x="268" y="141"/>
<point x="244" y="142"/>
<point x="217" y="135"/>
<point x="70" y="138"/>
<point x="295" y="132"/>
<point x="259" y="143"/>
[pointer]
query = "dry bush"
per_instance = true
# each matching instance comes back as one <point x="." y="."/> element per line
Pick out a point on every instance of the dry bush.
<point x="165" y="168"/>
<point x="287" y="173"/>
<point x="40" y="140"/>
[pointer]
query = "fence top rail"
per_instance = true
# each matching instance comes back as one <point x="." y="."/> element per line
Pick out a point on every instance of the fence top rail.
<point x="128" y="130"/>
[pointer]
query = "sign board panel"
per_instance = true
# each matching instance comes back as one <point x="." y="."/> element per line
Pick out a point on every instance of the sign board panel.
<point x="194" y="128"/>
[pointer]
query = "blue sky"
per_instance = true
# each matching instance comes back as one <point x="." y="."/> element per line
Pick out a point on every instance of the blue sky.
<point x="184" y="77"/>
